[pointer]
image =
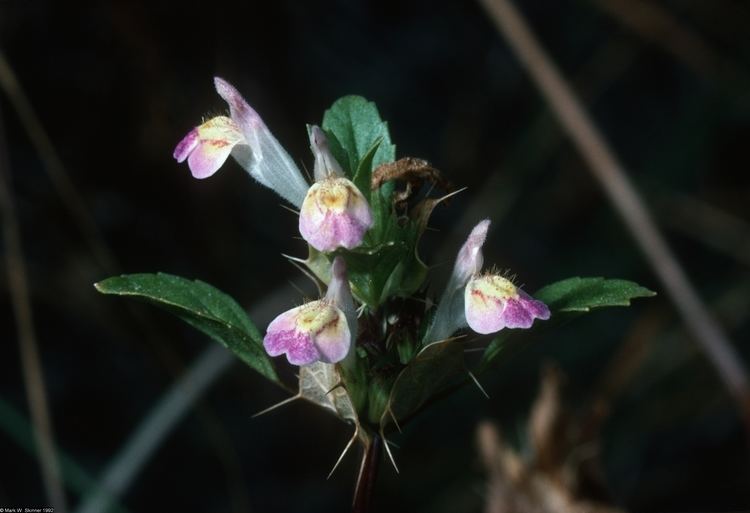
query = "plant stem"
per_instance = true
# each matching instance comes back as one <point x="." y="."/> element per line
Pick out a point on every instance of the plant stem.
<point x="368" y="473"/>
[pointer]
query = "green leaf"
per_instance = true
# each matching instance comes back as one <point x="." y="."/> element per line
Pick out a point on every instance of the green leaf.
<point x="363" y="175"/>
<point x="570" y="296"/>
<point x="582" y="294"/>
<point x="356" y="126"/>
<point x="203" y="307"/>
<point x="369" y="270"/>
<point x="433" y="370"/>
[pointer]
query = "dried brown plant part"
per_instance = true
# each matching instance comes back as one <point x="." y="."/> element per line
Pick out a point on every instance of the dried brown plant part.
<point x="516" y="487"/>
<point x="548" y="431"/>
<point x="413" y="172"/>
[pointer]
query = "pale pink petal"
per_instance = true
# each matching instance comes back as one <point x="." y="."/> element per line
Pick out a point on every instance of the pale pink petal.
<point x="207" y="158"/>
<point x="207" y="147"/>
<point x="333" y="340"/>
<point x="315" y="331"/>
<point x="492" y="303"/>
<point x="484" y="313"/>
<point x="334" y="214"/>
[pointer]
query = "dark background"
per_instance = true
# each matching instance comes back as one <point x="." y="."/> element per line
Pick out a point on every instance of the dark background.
<point x="117" y="84"/>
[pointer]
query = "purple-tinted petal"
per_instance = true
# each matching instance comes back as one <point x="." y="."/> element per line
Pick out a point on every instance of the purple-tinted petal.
<point x="334" y="340"/>
<point x="492" y="303"/>
<point x="208" y="146"/>
<point x="186" y="146"/>
<point x="334" y="214"/>
<point x="535" y="307"/>
<point x="242" y="113"/>
<point x="298" y="346"/>
<point x="516" y="316"/>
<point x="483" y="311"/>
<point x="315" y="331"/>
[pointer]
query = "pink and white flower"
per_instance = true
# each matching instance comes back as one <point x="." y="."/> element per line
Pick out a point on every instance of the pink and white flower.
<point x="334" y="212"/>
<point x="485" y="303"/>
<point x="492" y="303"/>
<point x="318" y="331"/>
<point x="207" y="147"/>
<point x="246" y="137"/>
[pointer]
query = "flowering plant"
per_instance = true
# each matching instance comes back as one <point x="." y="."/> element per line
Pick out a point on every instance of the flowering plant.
<point x="374" y="350"/>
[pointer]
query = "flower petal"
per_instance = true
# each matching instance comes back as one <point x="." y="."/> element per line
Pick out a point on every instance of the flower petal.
<point x="315" y="331"/>
<point x="470" y="259"/>
<point x="334" y="340"/>
<point x="334" y="214"/>
<point x="492" y="303"/>
<point x="267" y="161"/>
<point x="186" y="146"/>
<point x="326" y="164"/>
<point x="449" y="316"/>
<point x="207" y="147"/>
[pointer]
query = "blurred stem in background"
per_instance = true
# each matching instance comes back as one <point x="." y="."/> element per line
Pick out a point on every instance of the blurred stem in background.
<point x="86" y="224"/>
<point x="33" y="373"/>
<point x="622" y="194"/>
<point x="655" y="24"/>
<point x="75" y="477"/>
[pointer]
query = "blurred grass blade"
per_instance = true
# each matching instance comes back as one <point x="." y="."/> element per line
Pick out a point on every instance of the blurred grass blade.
<point x="18" y="428"/>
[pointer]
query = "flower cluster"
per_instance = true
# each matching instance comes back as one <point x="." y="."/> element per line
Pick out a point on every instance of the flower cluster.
<point x="334" y="217"/>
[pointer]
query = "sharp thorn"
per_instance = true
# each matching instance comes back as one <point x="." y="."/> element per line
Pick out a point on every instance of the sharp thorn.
<point x="343" y="453"/>
<point x="277" y="405"/>
<point x="479" y="385"/>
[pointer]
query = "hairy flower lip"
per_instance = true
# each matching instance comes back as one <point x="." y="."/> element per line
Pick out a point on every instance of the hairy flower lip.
<point x="492" y="303"/>
<point x="207" y="147"/>
<point x="334" y="214"/>
<point x="317" y="331"/>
